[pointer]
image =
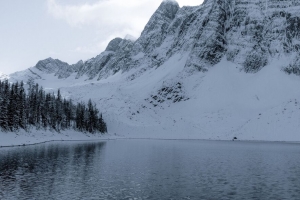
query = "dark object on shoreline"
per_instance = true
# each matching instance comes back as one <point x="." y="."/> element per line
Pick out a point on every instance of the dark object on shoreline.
<point x="235" y="138"/>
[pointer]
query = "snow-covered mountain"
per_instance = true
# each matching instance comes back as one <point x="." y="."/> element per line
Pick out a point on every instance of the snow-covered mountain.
<point x="222" y="69"/>
<point x="3" y="76"/>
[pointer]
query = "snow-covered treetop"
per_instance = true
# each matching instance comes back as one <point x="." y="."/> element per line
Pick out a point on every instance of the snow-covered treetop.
<point x="3" y="76"/>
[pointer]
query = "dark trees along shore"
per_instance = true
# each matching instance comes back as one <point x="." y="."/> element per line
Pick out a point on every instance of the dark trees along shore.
<point x="45" y="111"/>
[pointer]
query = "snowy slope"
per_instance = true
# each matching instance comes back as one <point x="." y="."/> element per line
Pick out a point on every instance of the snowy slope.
<point x="219" y="104"/>
<point x="220" y="70"/>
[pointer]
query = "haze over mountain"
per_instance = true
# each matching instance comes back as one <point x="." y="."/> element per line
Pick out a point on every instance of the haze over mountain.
<point x="222" y="69"/>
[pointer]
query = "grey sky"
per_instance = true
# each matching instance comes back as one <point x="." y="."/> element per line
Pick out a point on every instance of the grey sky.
<point x="69" y="30"/>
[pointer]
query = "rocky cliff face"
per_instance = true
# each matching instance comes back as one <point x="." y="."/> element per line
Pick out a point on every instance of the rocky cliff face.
<point x="214" y="71"/>
<point x="261" y="30"/>
<point x="247" y="32"/>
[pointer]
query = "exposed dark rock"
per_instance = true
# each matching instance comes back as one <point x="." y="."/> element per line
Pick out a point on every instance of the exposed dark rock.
<point x="248" y="33"/>
<point x="114" y="44"/>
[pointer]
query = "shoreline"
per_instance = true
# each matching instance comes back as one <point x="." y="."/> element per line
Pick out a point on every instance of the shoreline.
<point x="22" y="138"/>
<point x="108" y="137"/>
<point x="224" y="140"/>
<point x="50" y="141"/>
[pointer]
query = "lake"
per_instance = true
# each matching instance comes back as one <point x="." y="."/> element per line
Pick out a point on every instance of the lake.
<point x="151" y="169"/>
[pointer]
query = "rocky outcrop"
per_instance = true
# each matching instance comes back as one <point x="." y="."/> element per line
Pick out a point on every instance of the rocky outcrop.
<point x="155" y="31"/>
<point x="249" y="33"/>
<point x="51" y="65"/>
<point x="294" y="66"/>
<point x="113" y="45"/>
<point x="260" y="30"/>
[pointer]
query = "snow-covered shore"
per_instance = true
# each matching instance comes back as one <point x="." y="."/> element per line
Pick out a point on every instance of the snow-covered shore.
<point x="21" y="138"/>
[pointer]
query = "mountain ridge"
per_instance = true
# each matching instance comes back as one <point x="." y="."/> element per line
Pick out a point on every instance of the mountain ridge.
<point x="214" y="71"/>
<point x="249" y="35"/>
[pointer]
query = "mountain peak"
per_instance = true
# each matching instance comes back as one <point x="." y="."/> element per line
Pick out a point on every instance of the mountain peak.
<point x="130" y="37"/>
<point x="113" y="44"/>
<point x="142" y="81"/>
<point x="50" y="65"/>
<point x="170" y="1"/>
<point x="169" y="8"/>
<point x="155" y="30"/>
<point x="164" y="14"/>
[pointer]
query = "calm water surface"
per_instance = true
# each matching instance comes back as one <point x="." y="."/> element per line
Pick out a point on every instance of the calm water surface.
<point x="151" y="169"/>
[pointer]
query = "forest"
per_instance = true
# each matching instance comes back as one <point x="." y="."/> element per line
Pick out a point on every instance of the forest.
<point x="32" y="107"/>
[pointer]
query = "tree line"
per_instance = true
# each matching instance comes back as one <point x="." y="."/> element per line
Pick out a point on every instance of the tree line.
<point x="36" y="108"/>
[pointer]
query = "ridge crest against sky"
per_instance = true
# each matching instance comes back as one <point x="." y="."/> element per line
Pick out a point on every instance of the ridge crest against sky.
<point x="68" y="30"/>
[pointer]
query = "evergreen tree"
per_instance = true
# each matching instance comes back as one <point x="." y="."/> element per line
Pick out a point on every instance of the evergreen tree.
<point x="40" y="110"/>
<point x="4" y="105"/>
<point x="21" y="107"/>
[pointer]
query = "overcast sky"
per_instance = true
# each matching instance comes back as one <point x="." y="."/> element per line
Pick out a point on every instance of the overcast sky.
<point x="69" y="30"/>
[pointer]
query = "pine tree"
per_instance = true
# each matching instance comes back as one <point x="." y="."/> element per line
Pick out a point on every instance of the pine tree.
<point x="59" y="113"/>
<point x="21" y="105"/>
<point x="16" y="102"/>
<point x="41" y="110"/>
<point x="11" y="108"/>
<point x="91" y="116"/>
<point x="4" y="107"/>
